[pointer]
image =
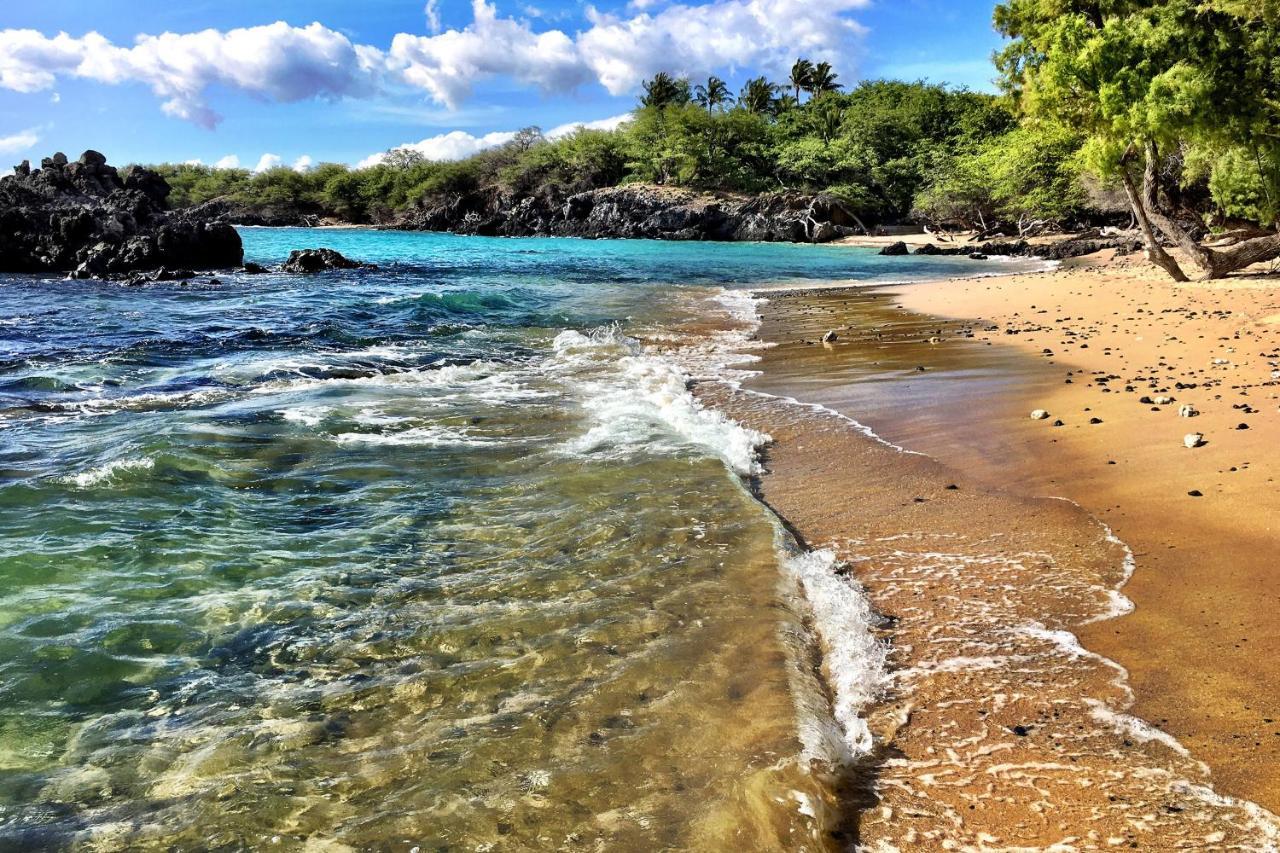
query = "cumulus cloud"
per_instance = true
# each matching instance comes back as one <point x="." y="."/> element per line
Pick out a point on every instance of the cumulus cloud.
<point x="18" y="142"/>
<point x="275" y="62"/>
<point x="459" y="144"/>
<point x="455" y="145"/>
<point x="620" y="52"/>
<point x="610" y="123"/>
<point x="267" y="161"/>
<point x="447" y="65"/>
<point x="231" y="161"/>
<point x="303" y="163"/>
<point x="282" y="63"/>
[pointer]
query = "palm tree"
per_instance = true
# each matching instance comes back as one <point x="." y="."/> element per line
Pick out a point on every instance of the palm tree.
<point x="830" y="116"/>
<point x="758" y="96"/>
<point x="664" y="91"/>
<point x="801" y="74"/>
<point x="786" y="101"/>
<point x="713" y="94"/>
<point x="823" y="79"/>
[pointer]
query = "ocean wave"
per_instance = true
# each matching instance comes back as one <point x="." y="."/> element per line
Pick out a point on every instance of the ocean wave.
<point x="854" y="661"/>
<point x="630" y="392"/>
<point x="101" y="474"/>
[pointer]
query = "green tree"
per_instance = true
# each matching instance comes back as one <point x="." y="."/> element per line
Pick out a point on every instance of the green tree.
<point x="665" y="91"/>
<point x="758" y="96"/>
<point x="801" y="77"/>
<point x="714" y="93"/>
<point x="1146" y="80"/>
<point x="822" y="79"/>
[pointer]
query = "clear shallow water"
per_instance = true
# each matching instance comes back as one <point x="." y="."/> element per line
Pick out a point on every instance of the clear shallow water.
<point x="438" y="556"/>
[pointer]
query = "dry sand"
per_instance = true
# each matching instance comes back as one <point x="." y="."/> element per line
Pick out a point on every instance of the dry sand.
<point x="952" y="369"/>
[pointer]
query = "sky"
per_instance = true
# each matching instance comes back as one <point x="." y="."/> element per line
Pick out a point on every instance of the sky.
<point x="299" y="82"/>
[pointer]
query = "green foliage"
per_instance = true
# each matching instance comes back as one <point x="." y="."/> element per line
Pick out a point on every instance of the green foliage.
<point x="1180" y="74"/>
<point x="875" y="146"/>
<point x="1028" y="173"/>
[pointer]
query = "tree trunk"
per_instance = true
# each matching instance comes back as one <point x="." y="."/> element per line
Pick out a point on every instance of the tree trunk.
<point x="1212" y="263"/>
<point x="1155" y="252"/>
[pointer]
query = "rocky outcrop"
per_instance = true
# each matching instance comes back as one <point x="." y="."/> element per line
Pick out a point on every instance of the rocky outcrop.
<point x="1060" y="250"/>
<point x="88" y="219"/>
<point x="318" y="260"/>
<point x="895" y="249"/>
<point x="642" y="211"/>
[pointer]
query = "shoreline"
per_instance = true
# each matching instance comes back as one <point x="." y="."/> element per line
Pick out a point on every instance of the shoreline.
<point x="933" y="427"/>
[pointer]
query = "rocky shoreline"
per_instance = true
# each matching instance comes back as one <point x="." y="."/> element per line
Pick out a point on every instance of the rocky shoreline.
<point x="637" y="211"/>
<point x="87" y="219"/>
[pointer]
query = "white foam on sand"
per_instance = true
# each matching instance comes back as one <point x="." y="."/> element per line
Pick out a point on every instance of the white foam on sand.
<point x="853" y="659"/>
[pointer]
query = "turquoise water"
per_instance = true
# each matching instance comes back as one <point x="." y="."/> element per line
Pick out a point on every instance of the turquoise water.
<point x="440" y="556"/>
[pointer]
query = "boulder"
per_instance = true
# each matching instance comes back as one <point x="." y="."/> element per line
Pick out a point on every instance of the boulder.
<point x="895" y="249"/>
<point x="85" y="219"/>
<point x="317" y="260"/>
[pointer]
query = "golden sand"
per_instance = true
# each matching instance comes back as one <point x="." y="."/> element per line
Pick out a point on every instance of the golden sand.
<point x="1001" y="729"/>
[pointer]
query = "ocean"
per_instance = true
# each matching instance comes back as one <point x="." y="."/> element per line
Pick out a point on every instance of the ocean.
<point x="441" y="556"/>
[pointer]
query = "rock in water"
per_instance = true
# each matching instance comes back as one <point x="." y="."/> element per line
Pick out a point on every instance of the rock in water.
<point x="87" y="219"/>
<point x="1192" y="440"/>
<point x="895" y="249"/>
<point x="829" y="336"/>
<point x="317" y="260"/>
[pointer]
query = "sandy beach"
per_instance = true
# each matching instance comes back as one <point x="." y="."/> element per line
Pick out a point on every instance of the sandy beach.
<point x="1002" y="543"/>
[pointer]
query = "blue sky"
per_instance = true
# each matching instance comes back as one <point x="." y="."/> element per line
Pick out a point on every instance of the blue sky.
<point x="151" y="81"/>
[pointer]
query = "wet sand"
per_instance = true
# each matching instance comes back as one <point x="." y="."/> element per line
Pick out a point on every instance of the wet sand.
<point x="998" y="725"/>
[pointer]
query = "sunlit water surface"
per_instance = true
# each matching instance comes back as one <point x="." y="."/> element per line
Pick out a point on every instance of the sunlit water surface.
<point x="440" y="556"/>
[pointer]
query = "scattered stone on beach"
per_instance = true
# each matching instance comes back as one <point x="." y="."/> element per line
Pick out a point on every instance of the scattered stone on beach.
<point x="1186" y="410"/>
<point x="1095" y="421"/>
<point x="1192" y="440"/>
<point x="318" y="260"/>
<point x="1196" y="493"/>
<point x="1039" y="415"/>
<point x="1163" y="401"/>
<point x="830" y="336"/>
<point x="1242" y="426"/>
<point x="895" y="249"/>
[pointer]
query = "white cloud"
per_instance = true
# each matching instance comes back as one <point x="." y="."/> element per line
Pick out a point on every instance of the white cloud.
<point x="432" y="11"/>
<point x="18" y="142"/>
<point x="620" y="52"/>
<point x="231" y="161"/>
<point x="195" y="162"/>
<point x="459" y="144"/>
<point x="276" y="62"/>
<point x="455" y="145"/>
<point x="303" y="163"/>
<point x="448" y="64"/>
<point x="610" y="123"/>
<point x="282" y="63"/>
<point x="267" y="161"/>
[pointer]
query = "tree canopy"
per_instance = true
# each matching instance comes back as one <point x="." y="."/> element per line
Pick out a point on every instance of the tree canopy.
<point x="1183" y="93"/>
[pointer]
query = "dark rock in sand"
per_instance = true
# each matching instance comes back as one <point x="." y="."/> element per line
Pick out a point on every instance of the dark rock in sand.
<point x="317" y="260"/>
<point x="85" y="218"/>
<point x="895" y="249"/>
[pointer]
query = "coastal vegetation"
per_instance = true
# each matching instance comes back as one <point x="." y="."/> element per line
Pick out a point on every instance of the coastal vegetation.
<point x="1161" y="116"/>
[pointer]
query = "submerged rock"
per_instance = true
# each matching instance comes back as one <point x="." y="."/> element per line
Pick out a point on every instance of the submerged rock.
<point x="318" y="260"/>
<point x="87" y="219"/>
